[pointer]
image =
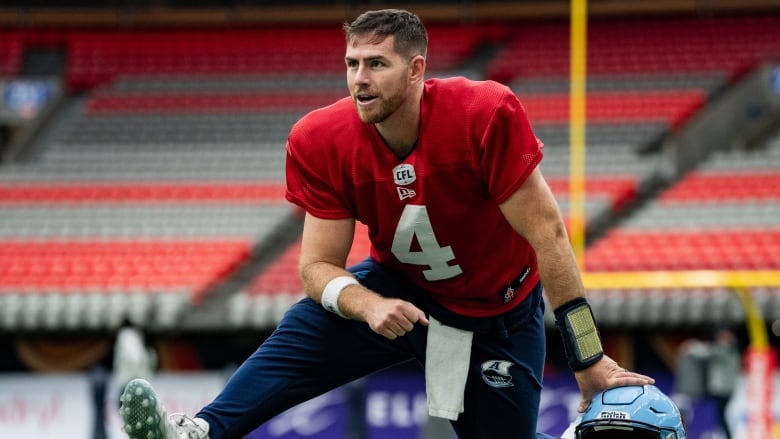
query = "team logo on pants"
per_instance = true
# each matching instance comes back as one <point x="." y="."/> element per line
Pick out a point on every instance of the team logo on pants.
<point x="496" y="373"/>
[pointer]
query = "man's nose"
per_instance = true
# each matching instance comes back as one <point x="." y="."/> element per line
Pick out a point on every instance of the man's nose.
<point x="362" y="74"/>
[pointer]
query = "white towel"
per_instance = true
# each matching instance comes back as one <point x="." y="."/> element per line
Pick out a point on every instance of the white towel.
<point x="447" y="358"/>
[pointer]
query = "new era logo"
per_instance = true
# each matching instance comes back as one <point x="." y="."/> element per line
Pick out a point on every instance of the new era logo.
<point x="404" y="193"/>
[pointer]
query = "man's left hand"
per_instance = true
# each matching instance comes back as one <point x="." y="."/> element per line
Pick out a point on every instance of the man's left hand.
<point x="603" y="375"/>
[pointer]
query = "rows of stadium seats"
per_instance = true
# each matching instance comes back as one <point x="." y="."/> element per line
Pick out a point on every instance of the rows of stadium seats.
<point x="140" y="253"/>
<point x="646" y="79"/>
<point x="178" y="147"/>
<point x="628" y="108"/>
<point x="668" y="106"/>
<point x="725" y="215"/>
<point x="213" y="103"/>
<point x="615" y="174"/>
<point x="139" y="210"/>
<point x="272" y="291"/>
<point x="96" y="57"/>
<point x="106" y="265"/>
<point x="718" y="45"/>
<point x="145" y="192"/>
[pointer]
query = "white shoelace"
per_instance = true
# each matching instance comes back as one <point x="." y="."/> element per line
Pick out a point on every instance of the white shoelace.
<point x="188" y="425"/>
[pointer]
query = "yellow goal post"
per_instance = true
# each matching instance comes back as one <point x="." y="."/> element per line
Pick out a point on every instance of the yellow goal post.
<point x="760" y="358"/>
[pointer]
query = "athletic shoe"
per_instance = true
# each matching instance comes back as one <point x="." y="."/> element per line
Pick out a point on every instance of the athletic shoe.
<point x="144" y="416"/>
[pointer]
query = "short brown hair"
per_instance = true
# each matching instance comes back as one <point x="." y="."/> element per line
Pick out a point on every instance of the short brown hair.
<point x="411" y="38"/>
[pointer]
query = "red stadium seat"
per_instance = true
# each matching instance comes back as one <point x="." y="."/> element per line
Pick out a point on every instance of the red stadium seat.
<point x="730" y="249"/>
<point x="152" y="266"/>
<point x="690" y="45"/>
<point x="618" y="189"/>
<point x="669" y="106"/>
<point x="102" y="104"/>
<point x="147" y="192"/>
<point x="11" y="48"/>
<point x="97" y="57"/>
<point x="721" y="186"/>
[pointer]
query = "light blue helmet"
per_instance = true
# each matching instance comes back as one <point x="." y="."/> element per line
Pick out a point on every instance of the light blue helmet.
<point x="631" y="412"/>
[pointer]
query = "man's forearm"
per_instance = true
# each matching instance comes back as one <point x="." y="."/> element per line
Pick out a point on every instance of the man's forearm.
<point x="353" y="299"/>
<point x="558" y="272"/>
<point x="316" y="275"/>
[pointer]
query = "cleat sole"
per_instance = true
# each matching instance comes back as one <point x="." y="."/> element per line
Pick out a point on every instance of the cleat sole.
<point x="140" y="411"/>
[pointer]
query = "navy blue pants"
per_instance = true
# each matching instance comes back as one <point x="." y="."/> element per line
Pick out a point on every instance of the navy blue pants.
<point x="313" y="351"/>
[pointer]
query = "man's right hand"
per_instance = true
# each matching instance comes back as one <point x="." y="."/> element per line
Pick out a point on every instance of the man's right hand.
<point x="392" y="317"/>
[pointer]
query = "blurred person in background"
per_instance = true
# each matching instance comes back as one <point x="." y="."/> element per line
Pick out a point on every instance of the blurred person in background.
<point x="710" y="368"/>
<point x="464" y="231"/>
<point x="724" y="367"/>
<point x="132" y="358"/>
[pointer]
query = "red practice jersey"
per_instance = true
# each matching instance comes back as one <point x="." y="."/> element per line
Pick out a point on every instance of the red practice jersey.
<point x="433" y="214"/>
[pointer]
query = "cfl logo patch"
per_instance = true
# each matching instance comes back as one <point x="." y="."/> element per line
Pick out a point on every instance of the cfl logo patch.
<point x="403" y="174"/>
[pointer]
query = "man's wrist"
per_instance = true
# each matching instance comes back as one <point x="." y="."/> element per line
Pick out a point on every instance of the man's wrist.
<point x="332" y="292"/>
<point x="581" y="340"/>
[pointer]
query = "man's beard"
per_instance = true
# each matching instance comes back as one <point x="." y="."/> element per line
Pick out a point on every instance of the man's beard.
<point x="387" y="107"/>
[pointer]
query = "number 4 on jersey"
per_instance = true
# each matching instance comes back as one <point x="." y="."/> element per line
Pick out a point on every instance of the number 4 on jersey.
<point x="415" y="222"/>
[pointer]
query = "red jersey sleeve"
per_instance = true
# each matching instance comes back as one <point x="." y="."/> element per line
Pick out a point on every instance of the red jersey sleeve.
<point x="509" y="149"/>
<point x="308" y="185"/>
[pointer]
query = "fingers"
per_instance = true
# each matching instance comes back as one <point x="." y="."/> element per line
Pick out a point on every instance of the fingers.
<point x="587" y="398"/>
<point x="398" y="318"/>
<point x="624" y="377"/>
<point x="621" y="378"/>
<point x="603" y="375"/>
<point x="395" y="332"/>
<point x="627" y="378"/>
<point x="405" y="325"/>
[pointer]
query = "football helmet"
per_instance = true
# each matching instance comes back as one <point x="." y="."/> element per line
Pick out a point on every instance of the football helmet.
<point x="631" y="412"/>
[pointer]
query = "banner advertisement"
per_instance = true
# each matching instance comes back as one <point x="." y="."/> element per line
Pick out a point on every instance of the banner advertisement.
<point x="395" y="405"/>
<point x="46" y="407"/>
<point x="381" y="406"/>
<point x="323" y="417"/>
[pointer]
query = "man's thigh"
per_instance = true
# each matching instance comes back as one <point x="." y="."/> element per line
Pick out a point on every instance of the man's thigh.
<point x="311" y="352"/>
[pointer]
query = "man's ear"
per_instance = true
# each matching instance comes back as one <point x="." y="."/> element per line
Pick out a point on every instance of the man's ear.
<point x="417" y="65"/>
